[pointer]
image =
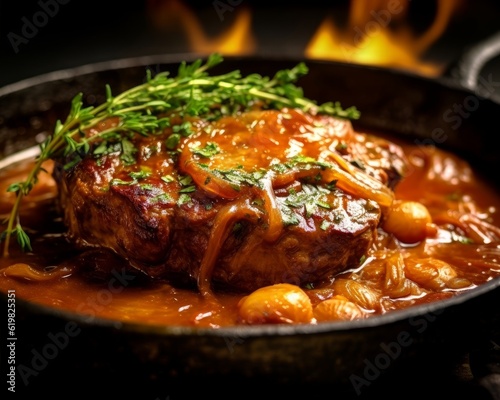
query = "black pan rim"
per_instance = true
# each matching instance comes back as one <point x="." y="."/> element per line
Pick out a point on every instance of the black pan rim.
<point x="248" y="331"/>
<point x="176" y="58"/>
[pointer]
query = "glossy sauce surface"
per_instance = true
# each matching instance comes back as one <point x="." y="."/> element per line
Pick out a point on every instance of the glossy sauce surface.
<point x="462" y="254"/>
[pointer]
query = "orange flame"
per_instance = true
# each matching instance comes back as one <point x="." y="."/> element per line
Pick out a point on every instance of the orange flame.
<point x="235" y="40"/>
<point x="377" y="34"/>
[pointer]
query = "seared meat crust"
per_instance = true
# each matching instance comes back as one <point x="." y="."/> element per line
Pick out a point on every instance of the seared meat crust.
<point x="243" y="202"/>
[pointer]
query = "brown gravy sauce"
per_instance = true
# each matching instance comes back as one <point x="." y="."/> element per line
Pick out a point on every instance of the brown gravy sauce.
<point x="98" y="284"/>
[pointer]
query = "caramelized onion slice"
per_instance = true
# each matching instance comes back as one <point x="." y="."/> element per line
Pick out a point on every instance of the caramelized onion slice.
<point x="206" y="179"/>
<point x="273" y="213"/>
<point x="356" y="182"/>
<point x="224" y="222"/>
<point x="347" y="177"/>
<point x="26" y="272"/>
<point x="358" y="293"/>
<point x="434" y="274"/>
<point x="396" y="284"/>
<point x="337" y="308"/>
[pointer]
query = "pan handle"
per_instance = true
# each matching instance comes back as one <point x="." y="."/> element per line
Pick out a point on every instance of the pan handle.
<point x="466" y="71"/>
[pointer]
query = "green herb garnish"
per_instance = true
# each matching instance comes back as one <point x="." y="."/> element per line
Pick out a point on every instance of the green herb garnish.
<point x="210" y="149"/>
<point x="144" y="110"/>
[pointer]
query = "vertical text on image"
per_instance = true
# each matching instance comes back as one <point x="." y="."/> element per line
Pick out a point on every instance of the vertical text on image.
<point x="11" y="340"/>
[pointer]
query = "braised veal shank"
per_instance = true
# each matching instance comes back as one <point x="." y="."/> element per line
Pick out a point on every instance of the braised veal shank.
<point x="241" y="202"/>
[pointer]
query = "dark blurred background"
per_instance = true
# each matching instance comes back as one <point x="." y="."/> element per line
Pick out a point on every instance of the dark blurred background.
<point x="425" y="36"/>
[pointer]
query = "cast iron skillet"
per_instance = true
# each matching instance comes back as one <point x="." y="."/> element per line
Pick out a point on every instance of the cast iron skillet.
<point x="56" y="350"/>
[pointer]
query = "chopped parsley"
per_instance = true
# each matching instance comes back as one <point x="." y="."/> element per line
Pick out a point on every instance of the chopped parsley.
<point x="310" y="198"/>
<point x="167" y="178"/>
<point x="208" y="151"/>
<point x="184" y="199"/>
<point x="187" y="184"/>
<point x="135" y="175"/>
<point x="161" y="198"/>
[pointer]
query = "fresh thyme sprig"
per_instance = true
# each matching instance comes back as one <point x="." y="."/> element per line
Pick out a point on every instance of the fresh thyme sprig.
<point x="144" y="110"/>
